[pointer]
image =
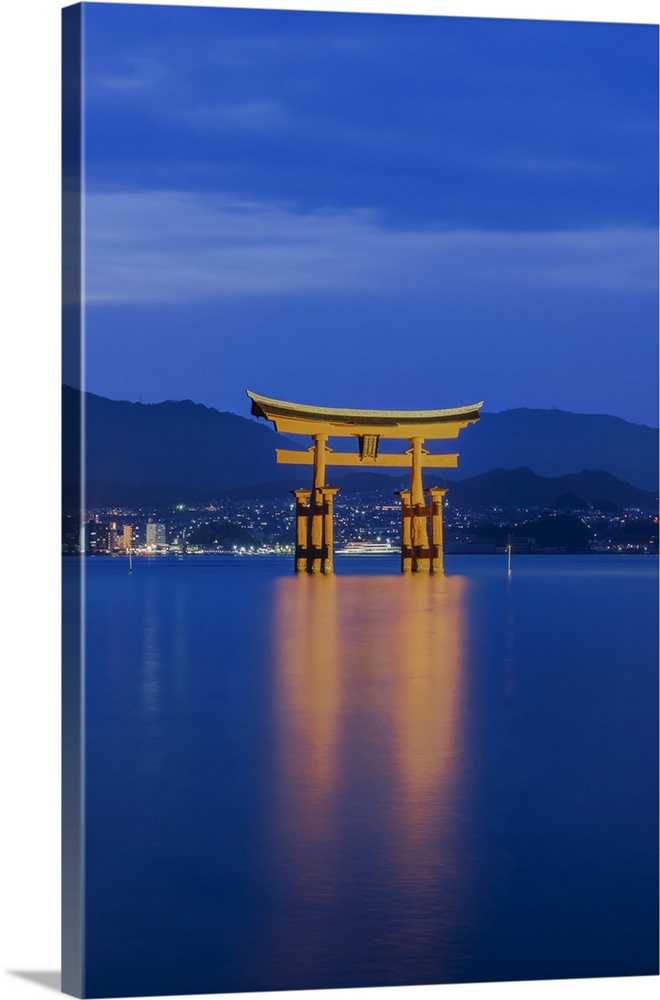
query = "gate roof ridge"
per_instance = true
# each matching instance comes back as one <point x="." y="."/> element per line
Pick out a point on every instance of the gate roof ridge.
<point x="263" y="406"/>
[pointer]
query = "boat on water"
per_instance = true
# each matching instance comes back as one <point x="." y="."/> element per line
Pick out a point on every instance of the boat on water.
<point x="378" y="548"/>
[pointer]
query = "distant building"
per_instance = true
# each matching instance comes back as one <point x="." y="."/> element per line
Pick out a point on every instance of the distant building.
<point x="156" y="535"/>
<point x="96" y="537"/>
<point x="113" y="540"/>
<point x="125" y="540"/>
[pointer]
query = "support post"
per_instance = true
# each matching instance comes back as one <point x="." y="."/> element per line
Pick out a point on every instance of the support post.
<point x="315" y="554"/>
<point x="421" y="560"/>
<point x="302" y="512"/>
<point x="406" y="531"/>
<point x="328" y="534"/>
<point x="315" y="533"/>
<point x="437" y="547"/>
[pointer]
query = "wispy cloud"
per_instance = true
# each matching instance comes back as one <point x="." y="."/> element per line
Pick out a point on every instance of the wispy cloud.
<point x="175" y="246"/>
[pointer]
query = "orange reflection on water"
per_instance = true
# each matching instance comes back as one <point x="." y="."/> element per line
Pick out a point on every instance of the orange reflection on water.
<point x="428" y="857"/>
<point x="429" y="633"/>
<point x="368" y="747"/>
<point x="308" y="692"/>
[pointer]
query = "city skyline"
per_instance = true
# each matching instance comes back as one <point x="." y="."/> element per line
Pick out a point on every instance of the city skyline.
<point x="384" y="211"/>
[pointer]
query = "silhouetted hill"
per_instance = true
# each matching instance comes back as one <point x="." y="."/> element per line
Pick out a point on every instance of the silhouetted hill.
<point x="105" y="493"/>
<point x="352" y="482"/>
<point x="167" y="452"/>
<point x="497" y="488"/>
<point x="183" y="451"/>
<point x="554" y="442"/>
<point x="523" y="488"/>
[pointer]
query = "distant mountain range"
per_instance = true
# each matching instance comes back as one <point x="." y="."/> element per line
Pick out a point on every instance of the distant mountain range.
<point x="182" y="452"/>
<point x="167" y="452"/>
<point x="554" y="442"/>
<point x="499" y="487"/>
<point x="523" y="488"/>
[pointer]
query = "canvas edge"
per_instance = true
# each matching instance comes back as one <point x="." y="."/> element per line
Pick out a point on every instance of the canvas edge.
<point x="72" y="906"/>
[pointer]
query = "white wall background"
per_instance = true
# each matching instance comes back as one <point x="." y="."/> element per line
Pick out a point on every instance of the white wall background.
<point x="29" y="696"/>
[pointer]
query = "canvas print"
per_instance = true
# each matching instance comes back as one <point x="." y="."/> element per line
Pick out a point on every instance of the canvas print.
<point x="360" y="523"/>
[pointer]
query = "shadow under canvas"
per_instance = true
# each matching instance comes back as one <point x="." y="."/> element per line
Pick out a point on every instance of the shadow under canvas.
<point x="49" y="979"/>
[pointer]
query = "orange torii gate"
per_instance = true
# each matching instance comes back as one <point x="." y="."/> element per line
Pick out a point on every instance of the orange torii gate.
<point x="314" y="539"/>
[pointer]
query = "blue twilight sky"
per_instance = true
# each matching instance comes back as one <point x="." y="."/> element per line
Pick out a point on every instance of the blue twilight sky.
<point x="371" y="210"/>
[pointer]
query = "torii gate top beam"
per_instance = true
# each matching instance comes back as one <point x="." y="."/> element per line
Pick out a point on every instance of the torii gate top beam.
<point x="294" y="418"/>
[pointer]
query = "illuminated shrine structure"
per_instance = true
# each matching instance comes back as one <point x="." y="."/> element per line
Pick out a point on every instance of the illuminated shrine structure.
<point x="314" y="543"/>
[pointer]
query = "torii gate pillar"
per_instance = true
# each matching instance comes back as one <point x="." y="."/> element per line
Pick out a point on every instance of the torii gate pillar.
<point x="417" y="555"/>
<point x="316" y="515"/>
<point x="421" y="553"/>
<point x="314" y="534"/>
<point x="437" y="547"/>
<point x="302" y="514"/>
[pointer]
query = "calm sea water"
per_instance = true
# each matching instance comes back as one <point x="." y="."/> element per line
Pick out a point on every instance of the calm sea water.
<point x="369" y="779"/>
